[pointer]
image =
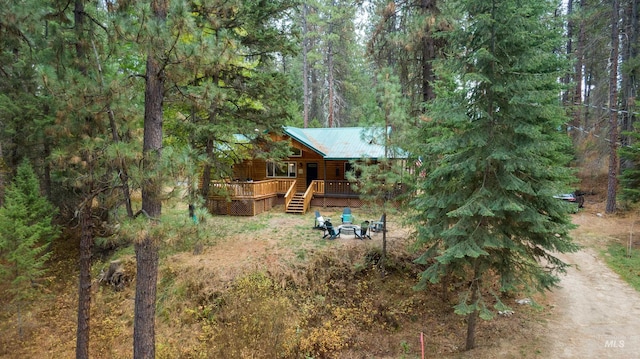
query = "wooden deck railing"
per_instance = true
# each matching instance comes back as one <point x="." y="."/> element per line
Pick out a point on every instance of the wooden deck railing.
<point x="289" y="195"/>
<point x="339" y="188"/>
<point x="283" y="185"/>
<point x="316" y="186"/>
<point x="250" y="189"/>
<point x="269" y="187"/>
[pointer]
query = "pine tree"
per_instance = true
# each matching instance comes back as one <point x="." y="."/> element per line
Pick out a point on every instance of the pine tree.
<point x="612" y="183"/>
<point x="332" y="59"/>
<point x="630" y="177"/>
<point x="407" y="38"/>
<point x="629" y="70"/>
<point x="220" y="68"/>
<point x="232" y="93"/>
<point x="26" y="230"/>
<point x="486" y="208"/>
<point x="378" y="183"/>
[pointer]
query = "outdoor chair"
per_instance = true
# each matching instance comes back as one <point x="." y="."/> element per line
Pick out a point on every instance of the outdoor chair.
<point x="378" y="226"/>
<point x="320" y="221"/>
<point x="364" y="230"/>
<point x="329" y="231"/>
<point x="346" y="215"/>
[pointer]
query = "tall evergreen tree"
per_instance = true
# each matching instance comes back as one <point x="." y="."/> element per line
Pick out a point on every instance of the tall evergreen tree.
<point x="630" y="83"/>
<point x="84" y="92"/>
<point x="215" y="61"/>
<point x="406" y="37"/>
<point x="630" y="177"/>
<point x="486" y="207"/>
<point x="25" y="110"/>
<point x="591" y="71"/>
<point x="26" y="231"/>
<point x="236" y="86"/>
<point x="381" y="180"/>
<point x="147" y="247"/>
<point x="334" y="59"/>
<point x="612" y="183"/>
<point x="629" y="70"/>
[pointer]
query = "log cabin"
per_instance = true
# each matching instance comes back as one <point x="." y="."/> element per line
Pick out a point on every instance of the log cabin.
<point x="314" y="173"/>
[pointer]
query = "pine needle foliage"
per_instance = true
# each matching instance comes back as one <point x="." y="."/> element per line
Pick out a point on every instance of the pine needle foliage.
<point x="496" y="156"/>
<point x="378" y="181"/>
<point x="382" y="182"/>
<point x="630" y="178"/>
<point x="26" y="230"/>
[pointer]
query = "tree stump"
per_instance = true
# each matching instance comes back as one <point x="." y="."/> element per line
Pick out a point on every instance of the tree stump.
<point x="114" y="276"/>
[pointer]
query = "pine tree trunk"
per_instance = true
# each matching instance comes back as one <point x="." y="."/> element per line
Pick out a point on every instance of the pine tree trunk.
<point x="330" y="85"/>
<point x="428" y="8"/>
<point x="209" y="147"/>
<point x="147" y="248"/>
<point x="566" y="96"/>
<point x="472" y="318"/>
<point x="305" y="66"/>
<point x="84" y="286"/>
<point x="577" y="78"/>
<point x="145" y="302"/>
<point x="206" y="181"/>
<point x="445" y="282"/>
<point x="587" y="97"/>
<point x="628" y="81"/>
<point x="316" y="110"/>
<point x="86" y="237"/>
<point x="613" y="113"/>
<point x="122" y="168"/>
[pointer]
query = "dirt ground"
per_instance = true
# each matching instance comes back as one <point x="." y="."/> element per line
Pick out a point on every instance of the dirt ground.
<point x="594" y="314"/>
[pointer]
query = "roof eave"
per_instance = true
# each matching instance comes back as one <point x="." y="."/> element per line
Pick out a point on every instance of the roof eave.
<point x="304" y="142"/>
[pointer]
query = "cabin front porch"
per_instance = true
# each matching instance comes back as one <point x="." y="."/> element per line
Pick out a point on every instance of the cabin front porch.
<point x="252" y="198"/>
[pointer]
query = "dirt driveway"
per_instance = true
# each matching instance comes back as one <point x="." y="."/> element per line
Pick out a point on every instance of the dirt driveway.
<point x="596" y="314"/>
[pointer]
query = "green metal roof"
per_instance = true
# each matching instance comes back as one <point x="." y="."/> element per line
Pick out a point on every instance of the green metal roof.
<point x="341" y="143"/>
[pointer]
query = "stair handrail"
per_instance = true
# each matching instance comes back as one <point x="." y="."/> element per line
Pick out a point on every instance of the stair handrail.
<point x="308" y="195"/>
<point x="289" y="195"/>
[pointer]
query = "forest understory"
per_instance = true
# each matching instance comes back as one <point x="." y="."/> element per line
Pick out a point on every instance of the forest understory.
<point x="270" y="286"/>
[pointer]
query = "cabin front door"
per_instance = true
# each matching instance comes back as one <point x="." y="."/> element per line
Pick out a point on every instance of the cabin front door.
<point x="312" y="173"/>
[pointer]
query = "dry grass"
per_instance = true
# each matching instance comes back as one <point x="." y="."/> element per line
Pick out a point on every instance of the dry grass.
<point x="269" y="286"/>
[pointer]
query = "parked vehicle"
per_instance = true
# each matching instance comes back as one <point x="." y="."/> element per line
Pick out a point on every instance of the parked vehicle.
<point x="572" y="197"/>
<point x="569" y="197"/>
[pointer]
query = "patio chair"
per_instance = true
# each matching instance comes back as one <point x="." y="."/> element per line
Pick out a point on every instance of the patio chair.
<point x="329" y="231"/>
<point x="319" y="222"/>
<point x="364" y="230"/>
<point x="378" y="226"/>
<point x="346" y="215"/>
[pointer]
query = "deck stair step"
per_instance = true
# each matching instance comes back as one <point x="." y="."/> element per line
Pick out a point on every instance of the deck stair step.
<point x="297" y="204"/>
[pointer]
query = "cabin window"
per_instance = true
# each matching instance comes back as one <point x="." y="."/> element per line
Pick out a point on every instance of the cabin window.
<point x="348" y="167"/>
<point x="295" y="152"/>
<point x="281" y="169"/>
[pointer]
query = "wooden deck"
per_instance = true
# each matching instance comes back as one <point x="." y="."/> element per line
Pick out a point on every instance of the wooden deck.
<point x="252" y="198"/>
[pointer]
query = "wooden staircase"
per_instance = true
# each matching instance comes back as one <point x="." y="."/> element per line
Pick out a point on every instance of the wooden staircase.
<point x="296" y="205"/>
